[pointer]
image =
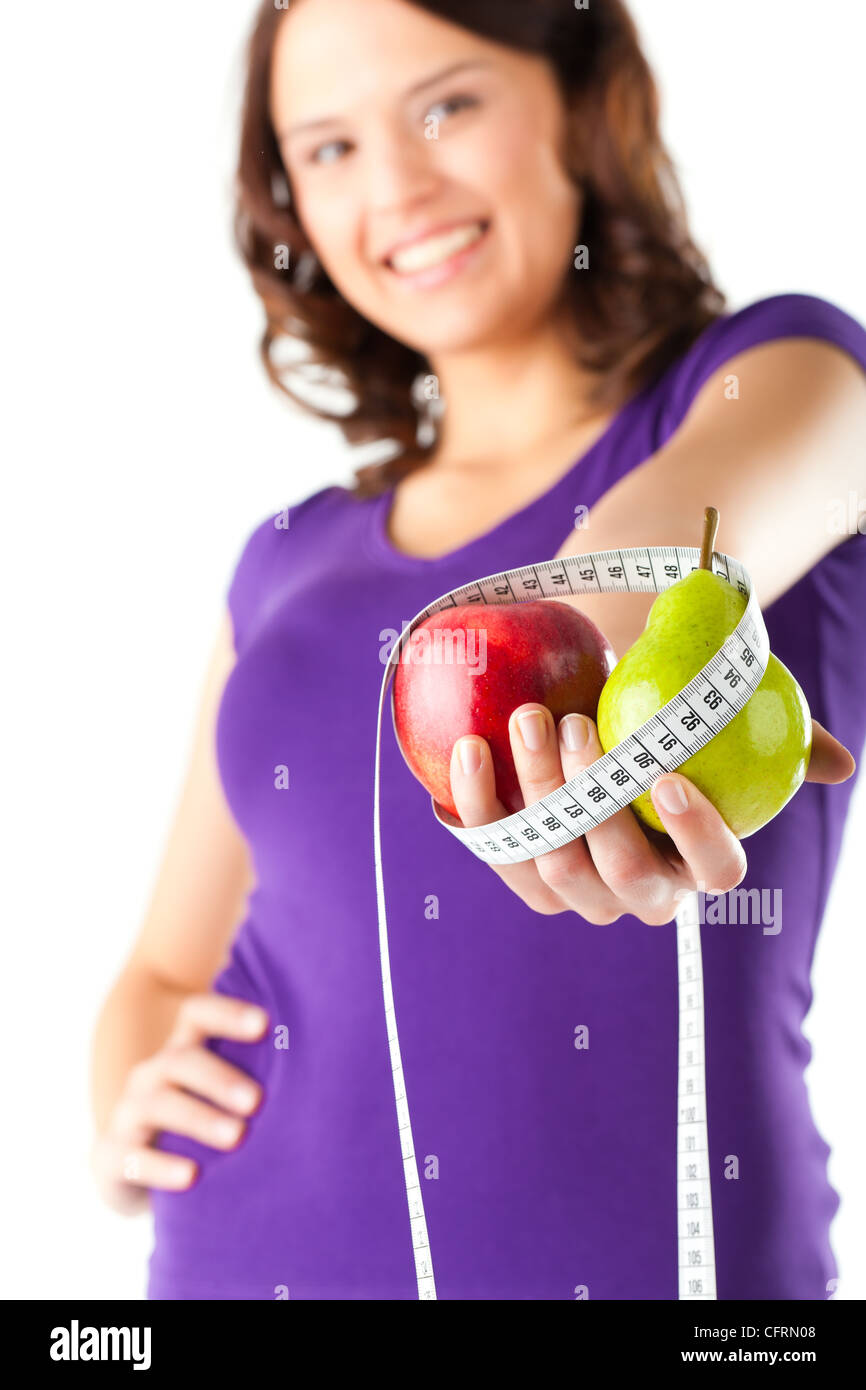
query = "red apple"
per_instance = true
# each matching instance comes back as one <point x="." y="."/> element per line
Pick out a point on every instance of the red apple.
<point x="465" y="670"/>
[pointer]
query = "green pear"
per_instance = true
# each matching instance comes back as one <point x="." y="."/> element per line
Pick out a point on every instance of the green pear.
<point x="758" y="761"/>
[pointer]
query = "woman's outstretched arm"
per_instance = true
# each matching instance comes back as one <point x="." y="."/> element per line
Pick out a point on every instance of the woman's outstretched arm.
<point x="772" y="460"/>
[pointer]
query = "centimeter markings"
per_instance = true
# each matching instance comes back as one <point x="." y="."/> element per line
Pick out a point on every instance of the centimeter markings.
<point x="414" y="1196"/>
<point x="695" y="715"/>
<point x="695" y="1245"/>
<point x="705" y="705"/>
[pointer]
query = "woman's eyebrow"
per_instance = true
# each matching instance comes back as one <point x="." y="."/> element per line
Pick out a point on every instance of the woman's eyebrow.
<point x="410" y="91"/>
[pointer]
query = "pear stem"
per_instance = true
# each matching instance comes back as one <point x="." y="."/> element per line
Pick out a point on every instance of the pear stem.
<point x="711" y="526"/>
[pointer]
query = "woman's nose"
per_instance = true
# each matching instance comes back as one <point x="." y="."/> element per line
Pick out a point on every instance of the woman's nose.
<point x="401" y="168"/>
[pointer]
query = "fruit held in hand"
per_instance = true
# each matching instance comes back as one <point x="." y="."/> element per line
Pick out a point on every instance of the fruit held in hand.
<point x="758" y="761"/>
<point x="541" y="651"/>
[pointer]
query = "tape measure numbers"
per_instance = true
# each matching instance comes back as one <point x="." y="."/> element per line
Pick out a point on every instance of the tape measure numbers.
<point x="710" y="700"/>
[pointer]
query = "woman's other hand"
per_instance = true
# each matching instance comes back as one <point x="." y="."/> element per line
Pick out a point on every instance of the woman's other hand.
<point x="186" y="1088"/>
<point x="621" y="866"/>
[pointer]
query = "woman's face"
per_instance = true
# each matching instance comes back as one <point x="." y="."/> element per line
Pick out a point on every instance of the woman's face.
<point x="404" y="147"/>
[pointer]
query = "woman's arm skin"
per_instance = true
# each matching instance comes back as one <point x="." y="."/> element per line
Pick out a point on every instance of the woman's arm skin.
<point x="148" y="1053"/>
<point x="773" y="461"/>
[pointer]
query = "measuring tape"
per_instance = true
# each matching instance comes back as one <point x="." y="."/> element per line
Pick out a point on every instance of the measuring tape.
<point x="685" y="724"/>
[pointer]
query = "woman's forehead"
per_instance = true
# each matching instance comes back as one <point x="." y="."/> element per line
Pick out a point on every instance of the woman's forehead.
<point x="332" y="57"/>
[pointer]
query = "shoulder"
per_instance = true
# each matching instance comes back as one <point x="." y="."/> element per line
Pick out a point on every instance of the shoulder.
<point x="775" y="318"/>
<point x="264" y="539"/>
<point x="254" y="567"/>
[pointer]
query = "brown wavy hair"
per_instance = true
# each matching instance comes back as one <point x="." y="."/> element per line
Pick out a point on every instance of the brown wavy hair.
<point x="646" y="297"/>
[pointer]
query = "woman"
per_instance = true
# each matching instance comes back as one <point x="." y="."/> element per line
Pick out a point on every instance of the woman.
<point x="485" y="244"/>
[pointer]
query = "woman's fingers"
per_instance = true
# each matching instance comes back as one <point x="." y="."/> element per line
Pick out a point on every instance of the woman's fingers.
<point x="160" y="1093"/>
<point x="540" y="770"/>
<point x="173" y="1090"/>
<point x="201" y="1071"/>
<point x="125" y="1166"/>
<point x="543" y="764"/>
<point x="215" y="1015"/>
<point x="146" y="1167"/>
<point x="473" y="787"/>
<point x="615" y="868"/>
<point x="831" y="761"/>
<point x="567" y="877"/>
<point x="641" y="879"/>
<point x="712" y="853"/>
<point x="175" y="1110"/>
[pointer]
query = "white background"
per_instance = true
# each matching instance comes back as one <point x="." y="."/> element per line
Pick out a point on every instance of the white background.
<point x="143" y="442"/>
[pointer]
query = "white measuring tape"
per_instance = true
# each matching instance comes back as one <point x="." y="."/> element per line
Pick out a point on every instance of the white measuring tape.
<point x="685" y="724"/>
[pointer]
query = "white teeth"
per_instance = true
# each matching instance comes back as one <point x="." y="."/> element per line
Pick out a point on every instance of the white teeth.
<point x="435" y="249"/>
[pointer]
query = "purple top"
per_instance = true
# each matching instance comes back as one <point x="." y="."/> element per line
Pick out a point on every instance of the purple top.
<point x="544" y="1167"/>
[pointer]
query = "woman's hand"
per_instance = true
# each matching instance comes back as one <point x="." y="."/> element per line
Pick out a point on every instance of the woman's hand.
<point x="157" y="1096"/>
<point x="622" y="866"/>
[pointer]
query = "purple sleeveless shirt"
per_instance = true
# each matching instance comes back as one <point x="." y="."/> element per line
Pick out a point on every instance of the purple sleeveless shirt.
<point x="544" y="1168"/>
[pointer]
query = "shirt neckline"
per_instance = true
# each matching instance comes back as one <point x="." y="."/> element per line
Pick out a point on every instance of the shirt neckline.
<point x="399" y="559"/>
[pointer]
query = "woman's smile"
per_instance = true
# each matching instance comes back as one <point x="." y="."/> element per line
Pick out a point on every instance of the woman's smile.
<point x="436" y="259"/>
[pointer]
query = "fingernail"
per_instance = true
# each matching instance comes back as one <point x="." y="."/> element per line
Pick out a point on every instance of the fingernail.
<point x="244" y="1098"/>
<point x="253" y="1021"/>
<point x="227" y="1131"/>
<point x="533" y="730"/>
<point x="671" y="796"/>
<point x="470" y="755"/>
<point x="574" y="732"/>
<point x="181" y="1173"/>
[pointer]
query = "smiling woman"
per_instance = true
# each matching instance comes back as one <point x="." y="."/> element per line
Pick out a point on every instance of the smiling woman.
<point x="518" y="120"/>
<point x="485" y="207"/>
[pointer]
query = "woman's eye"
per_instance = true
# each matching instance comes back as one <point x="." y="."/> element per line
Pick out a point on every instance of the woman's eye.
<point x="330" y="145"/>
<point x="448" y="106"/>
<point x="453" y="103"/>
